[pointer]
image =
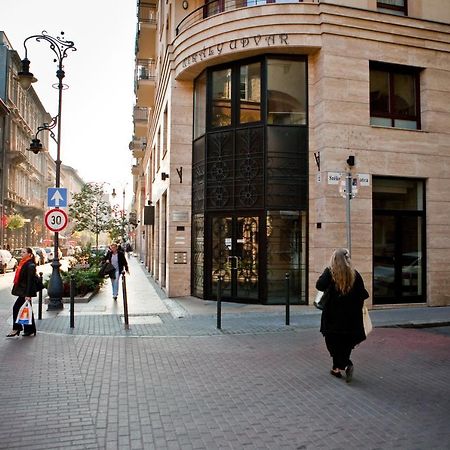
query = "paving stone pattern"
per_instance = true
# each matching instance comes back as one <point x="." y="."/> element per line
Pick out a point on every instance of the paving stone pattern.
<point x="234" y="391"/>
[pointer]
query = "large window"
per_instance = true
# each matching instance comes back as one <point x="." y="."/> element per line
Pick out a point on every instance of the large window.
<point x="286" y="92"/>
<point x="394" y="96"/>
<point x="398" y="7"/>
<point x="271" y="90"/>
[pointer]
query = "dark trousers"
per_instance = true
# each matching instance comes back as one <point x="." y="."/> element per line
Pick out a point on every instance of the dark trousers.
<point x="17" y="326"/>
<point x="340" y="347"/>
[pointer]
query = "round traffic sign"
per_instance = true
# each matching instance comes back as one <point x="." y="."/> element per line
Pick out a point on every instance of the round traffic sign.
<point x="56" y="220"/>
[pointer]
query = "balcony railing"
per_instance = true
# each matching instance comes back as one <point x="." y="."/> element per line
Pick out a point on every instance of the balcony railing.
<point x="145" y="69"/>
<point x="218" y="6"/>
<point x="147" y="12"/>
<point x="141" y="113"/>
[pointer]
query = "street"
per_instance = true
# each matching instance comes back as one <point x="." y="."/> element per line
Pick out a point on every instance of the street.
<point x="236" y="389"/>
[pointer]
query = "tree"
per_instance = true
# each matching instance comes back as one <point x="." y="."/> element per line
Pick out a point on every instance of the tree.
<point x="15" y="222"/>
<point x="90" y="210"/>
<point x="119" y="225"/>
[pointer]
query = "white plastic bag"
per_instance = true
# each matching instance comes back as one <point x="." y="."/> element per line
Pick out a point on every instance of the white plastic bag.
<point x="25" y="315"/>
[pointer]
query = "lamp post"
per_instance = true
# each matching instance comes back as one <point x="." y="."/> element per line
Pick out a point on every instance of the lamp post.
<point x="60" y="47"/>
<point x="114" y="194"/>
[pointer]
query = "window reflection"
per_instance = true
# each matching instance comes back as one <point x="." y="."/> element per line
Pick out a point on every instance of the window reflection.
<point x="286" y="85"/>
<point x="394" y="96"/>
<point x="199" y="106"/>
<point x="221" y="93"/>
<point x="250" y="93"/>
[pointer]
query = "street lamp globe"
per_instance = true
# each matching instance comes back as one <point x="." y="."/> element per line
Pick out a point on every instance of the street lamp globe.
<point x="25" y="77"/>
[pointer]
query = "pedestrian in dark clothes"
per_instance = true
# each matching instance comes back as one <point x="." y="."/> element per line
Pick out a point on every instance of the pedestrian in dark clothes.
<point x="24" y="286"/>
<point x="342" y="319"/>
<point x="117" y="258"/>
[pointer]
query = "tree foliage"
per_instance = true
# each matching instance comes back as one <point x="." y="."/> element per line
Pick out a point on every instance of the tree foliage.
<point x="90" y="209"/>
<point x="15" y="222"/>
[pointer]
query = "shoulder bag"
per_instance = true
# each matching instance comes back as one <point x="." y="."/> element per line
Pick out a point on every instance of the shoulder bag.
<point x="366" y="321"/>
<point x="321" y="299"/>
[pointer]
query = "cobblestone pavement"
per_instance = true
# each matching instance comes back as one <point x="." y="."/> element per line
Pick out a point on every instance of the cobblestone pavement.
<point x="179" y="383"/>
<point x="252" y="391"/>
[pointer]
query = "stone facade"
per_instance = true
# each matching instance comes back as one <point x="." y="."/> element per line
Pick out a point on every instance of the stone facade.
<point x="340" y="39"/>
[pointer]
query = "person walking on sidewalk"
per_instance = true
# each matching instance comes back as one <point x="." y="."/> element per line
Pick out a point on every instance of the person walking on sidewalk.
<point x="24" y="286"/>
<point x="117" y="258"/>
<point x="342" y="320"/>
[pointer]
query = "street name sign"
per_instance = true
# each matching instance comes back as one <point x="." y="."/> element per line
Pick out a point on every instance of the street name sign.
<point x="56" y="220"/>
<point x="57" y="197"/>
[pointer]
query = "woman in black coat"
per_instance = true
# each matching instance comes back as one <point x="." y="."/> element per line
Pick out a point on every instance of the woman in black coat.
<point x="342" y="320"/>
<point x="117" y="258"/>
<point x="24" y="287"/>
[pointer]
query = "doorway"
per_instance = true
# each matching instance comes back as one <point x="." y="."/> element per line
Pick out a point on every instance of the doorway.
<point x="398" y="242"/>
<point x="235" y="256"/>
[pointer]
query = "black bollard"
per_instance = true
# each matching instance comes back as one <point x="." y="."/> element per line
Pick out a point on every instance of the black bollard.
<point x="125" y="301"/>
<point x="40" y="298"/>
<point x="287" y="300"/>
<point x="219" y="302"/>
<point x="72" y="302"/>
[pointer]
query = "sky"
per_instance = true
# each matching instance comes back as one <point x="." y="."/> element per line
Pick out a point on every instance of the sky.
<point x="97" y="108"/>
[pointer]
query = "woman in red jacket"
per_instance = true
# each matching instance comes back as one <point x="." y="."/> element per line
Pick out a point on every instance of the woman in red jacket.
<point x="24" y="287"/>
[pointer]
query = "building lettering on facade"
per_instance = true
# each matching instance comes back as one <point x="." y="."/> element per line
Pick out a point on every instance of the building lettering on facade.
<point x="265" y="40"/>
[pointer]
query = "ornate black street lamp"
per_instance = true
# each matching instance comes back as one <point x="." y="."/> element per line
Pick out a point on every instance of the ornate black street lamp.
<point x="60" y="47"/>
<point x="123" y="211"/>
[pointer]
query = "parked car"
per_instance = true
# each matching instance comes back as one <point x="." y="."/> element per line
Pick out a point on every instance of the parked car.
<point x="41" y="255"/>
<point x="49" y="251"/>
<point x="17" y="253"/>
<point x="7" y="261"/>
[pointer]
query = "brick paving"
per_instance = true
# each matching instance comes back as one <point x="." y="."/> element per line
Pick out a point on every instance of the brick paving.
<point x="179" y="383"/>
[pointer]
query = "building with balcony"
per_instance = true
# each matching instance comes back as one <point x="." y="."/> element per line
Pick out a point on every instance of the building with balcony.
<point x="23" y="173"/>
<point x="258" y="112"/>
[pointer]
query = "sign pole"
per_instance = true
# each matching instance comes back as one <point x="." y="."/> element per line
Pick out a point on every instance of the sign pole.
<point x="348" y="197"/>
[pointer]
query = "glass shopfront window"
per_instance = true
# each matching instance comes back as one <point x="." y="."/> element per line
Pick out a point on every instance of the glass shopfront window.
<point x="286" y="92"/>
<point x="221" y="98"/>
<point x="286" y="243"/>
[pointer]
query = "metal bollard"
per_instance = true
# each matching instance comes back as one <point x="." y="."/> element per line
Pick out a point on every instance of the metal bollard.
<point x="219" y="302"/>
<point x="287" y="300"/>
<point x="40" y="298"/>
<point x="125" y="301"/>
<point x="72" y="302"/>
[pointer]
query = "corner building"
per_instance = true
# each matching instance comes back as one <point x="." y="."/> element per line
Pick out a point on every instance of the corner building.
<point x="249" y="117"/>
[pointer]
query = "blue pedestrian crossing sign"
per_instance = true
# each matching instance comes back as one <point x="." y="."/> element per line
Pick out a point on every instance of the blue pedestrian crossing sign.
<point x="57" y="197"/>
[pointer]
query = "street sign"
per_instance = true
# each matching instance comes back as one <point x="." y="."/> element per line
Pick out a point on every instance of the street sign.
<point x="354" y="187"/>
<point x="56" y="220"/>
<point x="57" y="197"/>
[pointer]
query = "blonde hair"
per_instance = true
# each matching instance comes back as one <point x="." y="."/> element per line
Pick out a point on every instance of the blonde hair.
<point x="342" y="270"/>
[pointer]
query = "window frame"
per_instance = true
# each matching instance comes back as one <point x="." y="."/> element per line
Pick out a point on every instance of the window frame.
<point x="393" y="69"/>
<point x="235" y="89"/>
<point x="235" y="67"/>
<point x="394" y="8"/>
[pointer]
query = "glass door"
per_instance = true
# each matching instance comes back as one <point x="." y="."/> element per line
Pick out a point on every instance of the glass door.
<point x="398" y="264"/>
<point x="235" y="256"/>
<point x="398" y="240"/>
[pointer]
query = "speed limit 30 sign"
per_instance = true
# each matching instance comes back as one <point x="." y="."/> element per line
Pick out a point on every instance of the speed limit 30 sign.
<point x="56" y="220"/>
